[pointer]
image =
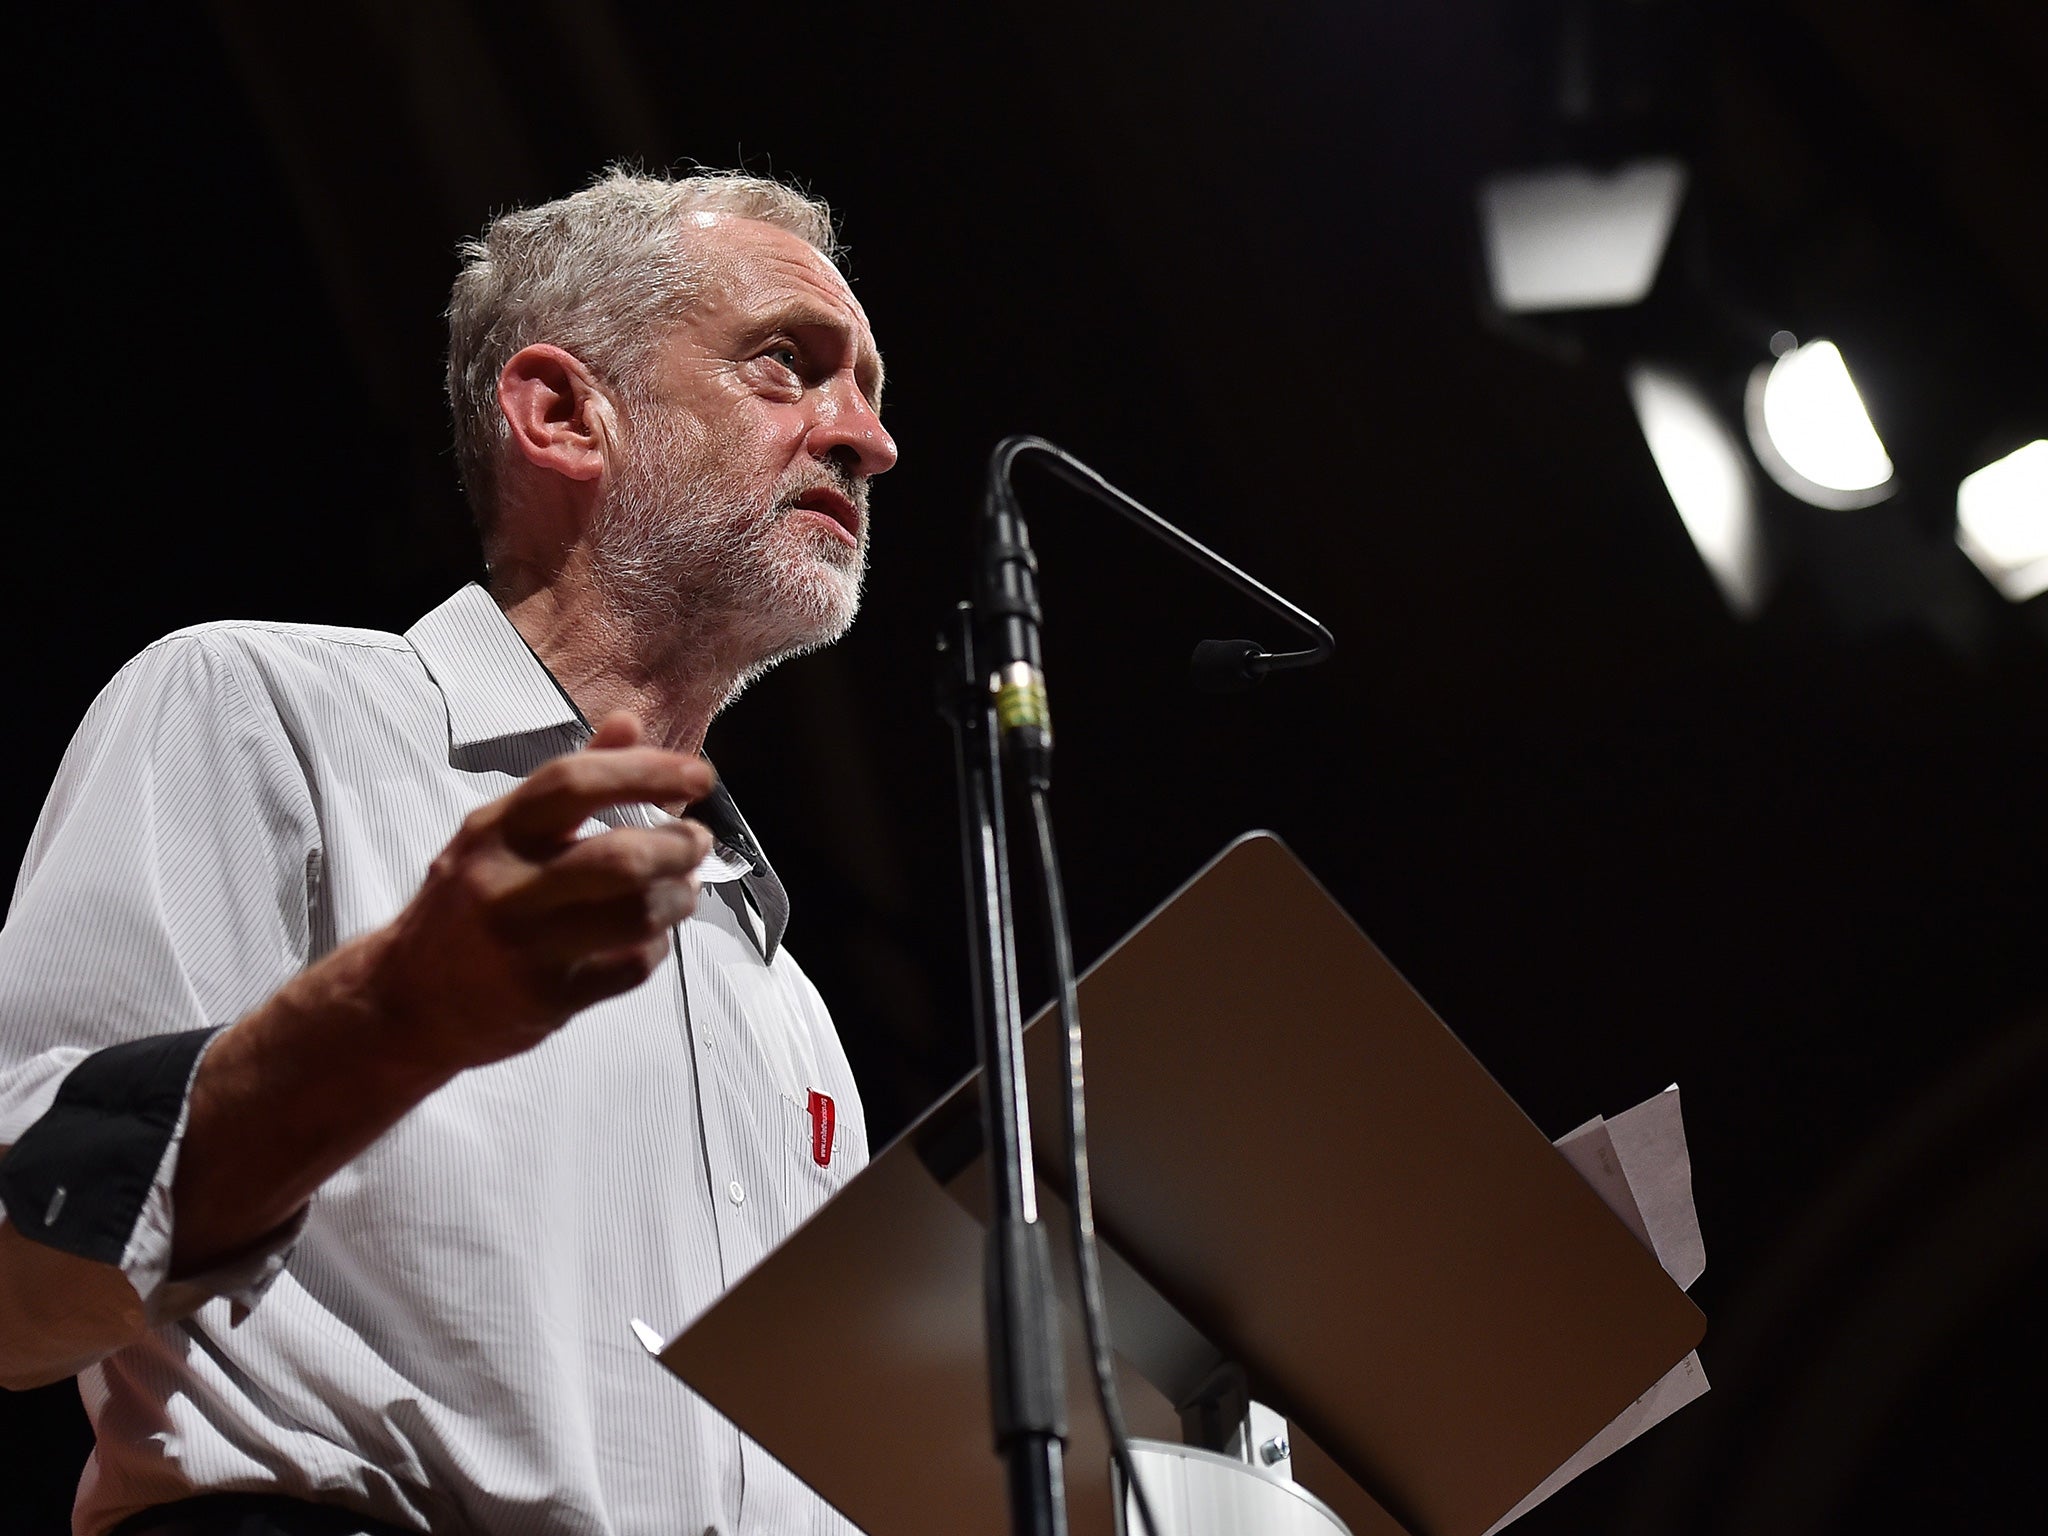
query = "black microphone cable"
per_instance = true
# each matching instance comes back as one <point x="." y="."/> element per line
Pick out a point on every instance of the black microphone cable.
<point x="1081" y="1207"/>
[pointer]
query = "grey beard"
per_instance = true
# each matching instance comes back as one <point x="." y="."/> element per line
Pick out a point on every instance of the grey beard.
<point x="691" y="570"/>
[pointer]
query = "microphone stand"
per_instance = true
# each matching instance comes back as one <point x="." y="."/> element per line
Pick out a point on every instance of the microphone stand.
<point x="992" y="693"/>
<point x="1027" y="1389"/>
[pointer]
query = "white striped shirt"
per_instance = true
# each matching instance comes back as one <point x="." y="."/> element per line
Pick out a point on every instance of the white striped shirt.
<point x="446" y="1343"/>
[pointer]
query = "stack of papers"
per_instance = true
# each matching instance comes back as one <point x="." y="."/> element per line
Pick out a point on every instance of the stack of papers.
<point x="1637" y="1162"/>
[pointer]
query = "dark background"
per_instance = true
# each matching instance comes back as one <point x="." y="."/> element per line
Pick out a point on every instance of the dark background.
<point x="1227" y="255"/>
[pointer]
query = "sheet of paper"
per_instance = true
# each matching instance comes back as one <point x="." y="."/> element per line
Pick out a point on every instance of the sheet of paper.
<point x="1590" y="1149"/>
<point x="1638" y="1164"/>
<point x="1684" y="1382"/>
<point x="1650" y="1141"/>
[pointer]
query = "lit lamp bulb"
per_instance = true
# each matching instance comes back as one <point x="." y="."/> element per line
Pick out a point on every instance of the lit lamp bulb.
<point x="1812" y="433"/>
<point x="2002" y="521"/>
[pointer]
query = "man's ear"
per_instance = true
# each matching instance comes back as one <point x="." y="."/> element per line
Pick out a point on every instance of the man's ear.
<point x="559" y="417"/>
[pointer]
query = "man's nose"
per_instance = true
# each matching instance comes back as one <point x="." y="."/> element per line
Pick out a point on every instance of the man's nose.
<point x="848" y="430"/>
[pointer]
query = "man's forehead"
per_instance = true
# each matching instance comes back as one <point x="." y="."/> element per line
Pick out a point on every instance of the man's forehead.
<point x="760" y="255"/>
<point x="764" y="275"/>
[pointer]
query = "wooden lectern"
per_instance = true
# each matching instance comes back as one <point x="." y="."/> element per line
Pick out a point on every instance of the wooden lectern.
<point x="1299" y="1173"/>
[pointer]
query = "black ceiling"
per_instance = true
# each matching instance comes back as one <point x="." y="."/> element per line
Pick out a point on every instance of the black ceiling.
<point x="1616" y="836"/>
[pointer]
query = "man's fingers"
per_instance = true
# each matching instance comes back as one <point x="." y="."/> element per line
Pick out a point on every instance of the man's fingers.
<point x="572" y="935"/>
<point x="617" y="863"/>
<point x="617" y="729"/>
<point x="559" y="795"/>
<point x="600" y="976"/>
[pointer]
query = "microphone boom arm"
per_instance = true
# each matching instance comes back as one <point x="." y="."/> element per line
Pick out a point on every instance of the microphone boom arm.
<point x="1250" y="662"/>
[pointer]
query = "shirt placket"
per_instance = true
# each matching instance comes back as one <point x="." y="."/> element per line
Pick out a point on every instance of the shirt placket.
<point x="736" y="1207"/>
<point x="698" y="1029"/>
<point x="729" y="1195"/>
<point x="750" y="1212"/>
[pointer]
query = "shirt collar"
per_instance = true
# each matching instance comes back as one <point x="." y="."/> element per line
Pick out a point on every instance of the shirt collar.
<point x="493" y="683"/>
<point x="495" y="688"/>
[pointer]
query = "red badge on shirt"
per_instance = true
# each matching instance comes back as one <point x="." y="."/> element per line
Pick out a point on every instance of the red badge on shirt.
<point x="824" y="1121"/>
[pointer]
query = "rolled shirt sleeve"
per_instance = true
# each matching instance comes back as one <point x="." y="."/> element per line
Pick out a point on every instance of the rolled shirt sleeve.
<point x="168" y="890"/>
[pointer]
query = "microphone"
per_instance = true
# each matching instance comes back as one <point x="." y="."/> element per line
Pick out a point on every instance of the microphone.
<point x="1008" y="588"/>
<point x="1227" y="666"/>
<point x="1006" y="598"/>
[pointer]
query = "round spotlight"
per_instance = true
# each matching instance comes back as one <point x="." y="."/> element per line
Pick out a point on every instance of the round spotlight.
<point x="1811" y="432"/>
<point x="2002" y="520"/>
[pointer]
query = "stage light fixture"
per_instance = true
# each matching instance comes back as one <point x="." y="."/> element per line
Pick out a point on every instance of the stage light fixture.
<point x="2002" y="521"/>
<point x="1568" y="237"/>
<point x="1708" y="476"/>
<point x="1811" y="431"/>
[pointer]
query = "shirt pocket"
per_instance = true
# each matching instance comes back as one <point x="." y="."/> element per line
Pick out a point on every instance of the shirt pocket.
<point x="809" y="1181"/>
<point x="770" y="1049"/>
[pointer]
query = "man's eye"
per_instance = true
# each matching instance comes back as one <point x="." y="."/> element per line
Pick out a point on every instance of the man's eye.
<point x="787" y="356"/>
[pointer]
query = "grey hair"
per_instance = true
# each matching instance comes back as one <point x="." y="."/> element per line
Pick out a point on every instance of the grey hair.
<point x="604" y="274"/>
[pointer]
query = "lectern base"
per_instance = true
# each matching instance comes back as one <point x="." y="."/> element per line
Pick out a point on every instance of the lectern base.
<point x="1202" y="1493"/>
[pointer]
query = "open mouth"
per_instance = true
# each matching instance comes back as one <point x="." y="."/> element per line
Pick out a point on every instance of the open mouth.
<point x="822" y="501"/>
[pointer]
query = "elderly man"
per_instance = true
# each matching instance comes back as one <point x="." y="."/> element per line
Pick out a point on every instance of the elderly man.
<point x="379" y="1038"/>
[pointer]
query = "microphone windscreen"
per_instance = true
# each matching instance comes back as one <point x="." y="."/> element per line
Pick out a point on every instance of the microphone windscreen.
<point x="1226" y="666"/>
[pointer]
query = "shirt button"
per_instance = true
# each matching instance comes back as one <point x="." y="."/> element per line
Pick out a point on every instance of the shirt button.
<point x="735" y="1192"/>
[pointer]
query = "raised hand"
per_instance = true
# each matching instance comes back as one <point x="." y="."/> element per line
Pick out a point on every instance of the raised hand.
<point x="522" y="923"/>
